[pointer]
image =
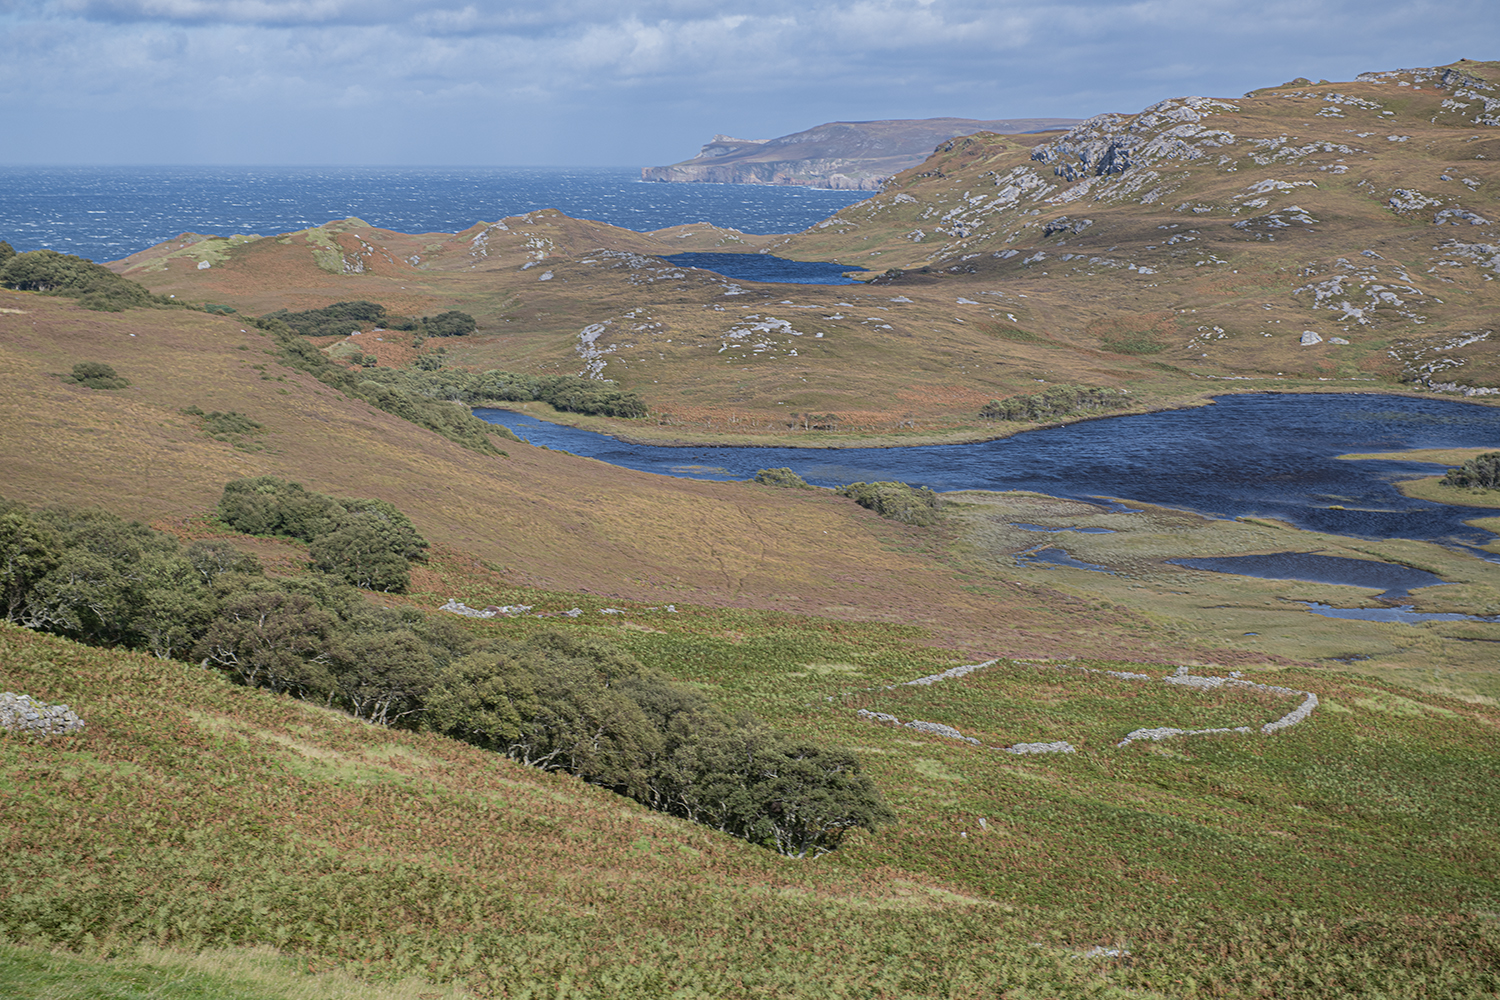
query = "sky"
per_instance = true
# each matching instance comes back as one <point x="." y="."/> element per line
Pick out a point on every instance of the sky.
<point x="640" y="82"/>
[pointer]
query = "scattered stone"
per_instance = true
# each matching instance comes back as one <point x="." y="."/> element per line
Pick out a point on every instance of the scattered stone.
<point x="19" y="713"/>
<point x="1309" y="338"/>
<point x="1061" y="746"/>
<point x="938" y="729"/>
<point x="457" y="607"/>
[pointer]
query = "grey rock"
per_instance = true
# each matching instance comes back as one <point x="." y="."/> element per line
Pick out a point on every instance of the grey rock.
<point x="19" y="713"/>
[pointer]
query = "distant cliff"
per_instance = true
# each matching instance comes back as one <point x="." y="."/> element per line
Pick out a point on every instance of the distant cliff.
<point x="851" y="156"/>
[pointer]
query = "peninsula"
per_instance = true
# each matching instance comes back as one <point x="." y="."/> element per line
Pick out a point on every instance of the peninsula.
<point x="846" y="156"/>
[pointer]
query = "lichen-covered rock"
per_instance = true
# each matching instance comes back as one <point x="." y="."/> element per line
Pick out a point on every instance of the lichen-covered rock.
<point x="19" y="713"/>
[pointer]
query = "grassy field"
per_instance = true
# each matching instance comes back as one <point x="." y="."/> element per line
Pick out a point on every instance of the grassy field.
<point x="192" y="815"/>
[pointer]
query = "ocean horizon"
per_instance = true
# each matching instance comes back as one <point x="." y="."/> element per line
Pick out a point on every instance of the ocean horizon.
<point x="106" y="213"/>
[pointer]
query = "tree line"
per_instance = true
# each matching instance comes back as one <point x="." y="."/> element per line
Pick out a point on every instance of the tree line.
<point x="94" y="286"/>
<point x="343" y="318"/>
<point x="1055" y="402"/>
<point x="553" y="700"/>
<point x="568" y="393"/>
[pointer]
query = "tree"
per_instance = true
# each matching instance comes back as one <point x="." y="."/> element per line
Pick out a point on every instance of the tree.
<point x="266" y="505"/>
<point x="764" y="786"/>
<point x="449" y="324"/>
<point x="272" y="639"/>
<point x="174" y="608"/>
<point x="28" y="552"/>
<point x="361" y="551"/>
<point x="1482" y="471"/>
<point x="94" y="286"/>
<point x="383" y="676"/>
<point x="213" y="559"/>
<point x="484" y="699"/>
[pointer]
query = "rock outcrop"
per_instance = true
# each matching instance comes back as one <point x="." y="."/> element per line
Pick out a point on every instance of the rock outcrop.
<point x="850" y="156"/>
<point x="20" y="714"/>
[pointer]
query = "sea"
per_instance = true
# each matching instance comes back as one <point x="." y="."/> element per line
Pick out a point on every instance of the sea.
<point x="106" y="213"/>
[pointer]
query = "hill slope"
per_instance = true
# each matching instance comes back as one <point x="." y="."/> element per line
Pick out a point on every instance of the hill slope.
<point x="1189" y="249"/>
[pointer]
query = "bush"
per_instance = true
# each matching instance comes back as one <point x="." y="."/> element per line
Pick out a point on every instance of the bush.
<point x="337" y="320"/>
<point x="897" y="501"/>
<point x="6" y="252"/>
<point x="783" y="477"/>
<point x="233" y="422"/>
<point x="94" y="286"/>
<point x="449" y="324"/>
<point x="381" y="390"/>
<point x="1480" y="471"/>
<point x="267" y="505"/>
<point x="582" y="706"/>
<point x="568" y="393"/>
<point x="96" y="375"/>
<point x="1054" y="403"/>
<point x="367" y="543"/>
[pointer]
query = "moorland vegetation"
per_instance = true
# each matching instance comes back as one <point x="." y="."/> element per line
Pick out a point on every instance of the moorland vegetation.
<point x="553" y="702"/>
<point x="299" y="792"/>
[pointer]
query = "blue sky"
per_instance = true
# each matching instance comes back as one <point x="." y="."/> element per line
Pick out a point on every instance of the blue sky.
<point x="639" y="82"/>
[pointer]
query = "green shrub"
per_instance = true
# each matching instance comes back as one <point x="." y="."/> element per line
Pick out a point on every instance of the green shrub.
<point x="96" y="375"/>
<point x="386" y="391"/>
<point x="782" y="477"/>
<point x="897" y="501"/>
<point x="569" y="393"/>
<point x="232" y="422"/>
<point x="6" y="252"/>
<point x="585" y="707"/>
<point x="449" y="324"/>
<point x="94" y="286"/>
<point x="1479" y="471"/>
<point x="1054" y="403"/>
<point x="337" y="320"/>
<point x="367" y="543"/>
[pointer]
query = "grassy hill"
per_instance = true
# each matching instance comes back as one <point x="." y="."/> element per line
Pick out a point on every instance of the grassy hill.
<point x="202" y="839"/>
<point x="193" y="815"/>
<point x="1175" y="252"/>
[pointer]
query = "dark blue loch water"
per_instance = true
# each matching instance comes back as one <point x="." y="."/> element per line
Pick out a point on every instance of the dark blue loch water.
<point x="1260" y="454"/>
<point x="1393" y="579"/>
<point x="105" y="213"/>
<point x="764" y="267"/>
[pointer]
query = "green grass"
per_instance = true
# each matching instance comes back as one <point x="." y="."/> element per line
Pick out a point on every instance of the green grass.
<point x="1353" y="854"/>
<point x="151" y="973"/>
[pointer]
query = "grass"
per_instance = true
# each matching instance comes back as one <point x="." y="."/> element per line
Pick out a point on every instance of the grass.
<point x="147" y="972"/>
<point x="195" y="816"/>
<point x="1352" y="855"/>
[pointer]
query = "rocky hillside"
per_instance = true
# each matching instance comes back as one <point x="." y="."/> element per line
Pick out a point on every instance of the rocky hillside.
<point x="1304" y="237"/>
<point x="850" y="156"/>
<point x="1342" y="223"/>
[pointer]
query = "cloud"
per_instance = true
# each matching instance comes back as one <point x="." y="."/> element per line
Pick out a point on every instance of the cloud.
<point x="660" y="76"/>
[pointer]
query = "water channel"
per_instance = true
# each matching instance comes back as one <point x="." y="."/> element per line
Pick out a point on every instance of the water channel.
<point x="1257" y="454"/>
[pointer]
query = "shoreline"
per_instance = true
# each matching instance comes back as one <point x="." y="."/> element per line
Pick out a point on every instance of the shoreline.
<point x="631" y="433"/>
